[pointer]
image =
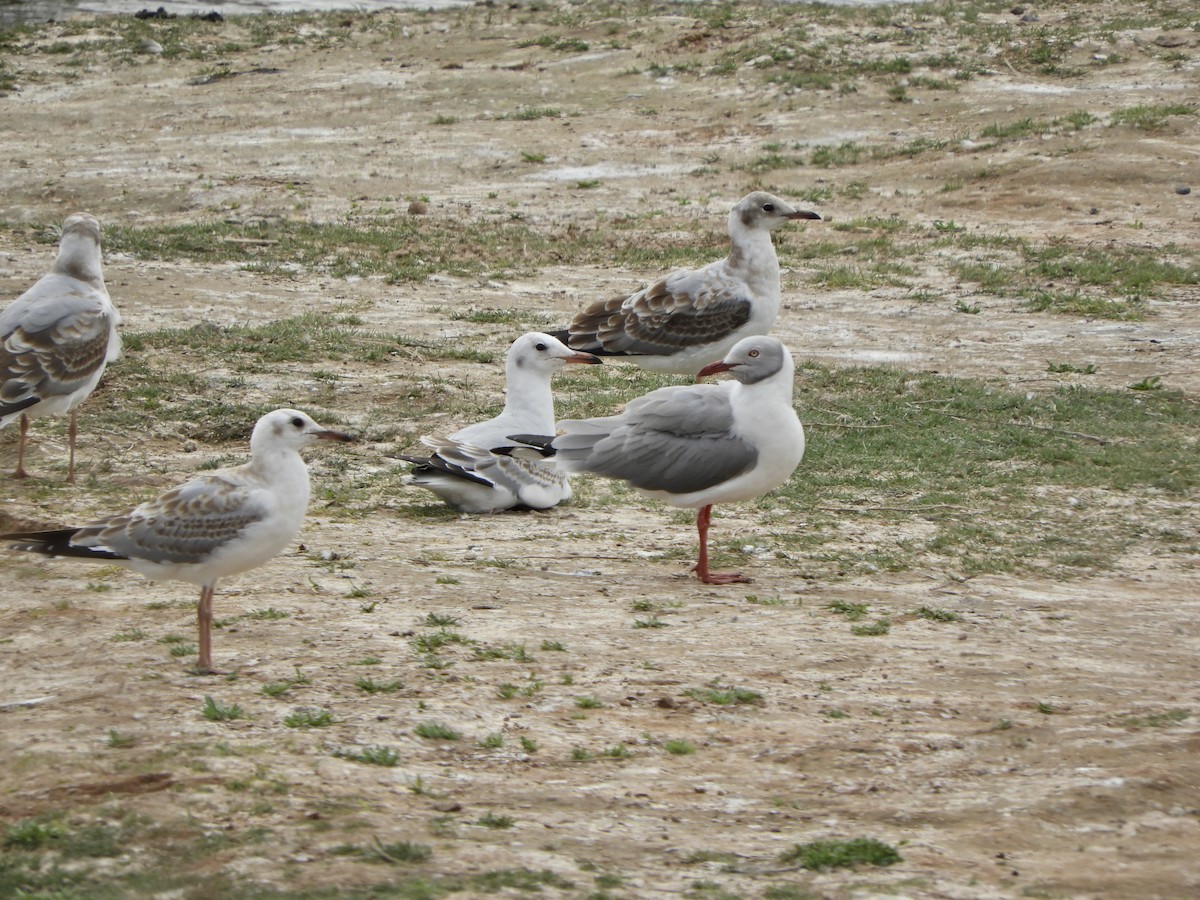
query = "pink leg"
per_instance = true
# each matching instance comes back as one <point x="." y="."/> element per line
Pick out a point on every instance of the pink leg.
<point x="21" y="473"/>
<point x="204" y="617"/>
<point x="703" y="517"/>
<point x="71" y="436"/>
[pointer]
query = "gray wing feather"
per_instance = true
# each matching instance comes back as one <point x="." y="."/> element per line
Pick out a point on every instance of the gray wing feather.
<point x="185" y="525"/>
<point x="54" y="339"/>
<point x="676" y="439"/>
<point x="685" y="309"/>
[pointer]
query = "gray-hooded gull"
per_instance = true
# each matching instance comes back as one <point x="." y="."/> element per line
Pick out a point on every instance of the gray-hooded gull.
<point x="57" y="337"/>
<point x="465" y="473"/>
<point x="692" y="317"/>
<point x="693" y="446"/>
<point x="219" y="524"/>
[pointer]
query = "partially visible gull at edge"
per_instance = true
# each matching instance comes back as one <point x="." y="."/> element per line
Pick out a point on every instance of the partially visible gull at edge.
<point x="219" y="524"/>
<point x="57" y="337"/>
<point x="693" y="446"/>
<point x="692" y="317"/>
<point x="462" y="469"/>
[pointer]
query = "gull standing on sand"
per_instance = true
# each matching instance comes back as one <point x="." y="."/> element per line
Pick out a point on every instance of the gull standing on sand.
<point x="692" y="317"/>
<point x="219" y="524"/>
<point x="696" y="445"/>
<point x="57" y="337"/>
<point x="465" y="473"/>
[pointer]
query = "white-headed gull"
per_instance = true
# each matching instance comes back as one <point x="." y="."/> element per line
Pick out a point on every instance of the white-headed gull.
<point x="465" y="473"/>
<point x="57" y="337"/>
<point x="692" y="317"/>
<point x="695" y="445"/>
<point x="219" y="524"/>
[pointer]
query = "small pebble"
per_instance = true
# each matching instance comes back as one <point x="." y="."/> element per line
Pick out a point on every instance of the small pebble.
<point x="1183" y="190"/>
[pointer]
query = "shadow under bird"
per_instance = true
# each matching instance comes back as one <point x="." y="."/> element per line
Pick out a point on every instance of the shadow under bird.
<point x="692" y="317"/>
<point x="57" y="337"/>
<point x="696" y="445"/>
<point x="219" y="524"/>
<point x="465" y="473"/>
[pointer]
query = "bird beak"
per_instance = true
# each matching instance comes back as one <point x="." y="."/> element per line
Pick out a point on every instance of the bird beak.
<point x="333" y="436"/>
<point x="581" y="357"/>
<point x="714" y="368"/>
<point x="803" y="214"/>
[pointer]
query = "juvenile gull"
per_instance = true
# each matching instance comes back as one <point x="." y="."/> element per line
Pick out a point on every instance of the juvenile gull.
<point x="692" y="317"/>
<point x="465" y="473"/>
<point x="57" y="337"/>
<point x="696" y="445"/>
<point x="219" y="524"/>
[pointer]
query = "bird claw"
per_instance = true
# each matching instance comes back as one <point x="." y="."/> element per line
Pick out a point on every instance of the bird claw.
<point x="707" y="577"/>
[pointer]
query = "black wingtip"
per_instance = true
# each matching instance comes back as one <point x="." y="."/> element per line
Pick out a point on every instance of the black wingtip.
<point x="528" y="444"/>
<point x="55" y="543"/>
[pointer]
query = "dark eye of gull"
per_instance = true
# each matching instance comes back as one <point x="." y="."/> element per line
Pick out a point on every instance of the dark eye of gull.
<point x="769" y="207"/>
<point x="539" y="346"/>
<point x="297" y="422"/>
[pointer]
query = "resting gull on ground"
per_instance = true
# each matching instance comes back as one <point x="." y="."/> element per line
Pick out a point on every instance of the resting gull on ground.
<point x="219" y="524"/>
<point x="692" y="317"/>
<point x="696" y="445"/>
<point x="57" y="337"/>
<point x="465" y="473"/>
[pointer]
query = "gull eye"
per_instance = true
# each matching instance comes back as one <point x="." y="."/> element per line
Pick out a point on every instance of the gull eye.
<point x="539" y="346"/>
<point x="297" y="422"/>
<point x="769" y="207"/>
<point x="753" y="354"/>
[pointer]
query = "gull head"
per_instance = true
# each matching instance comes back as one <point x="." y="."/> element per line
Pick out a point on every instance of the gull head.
<point x="290" y="429"/>
<point x="753" y="359"/>
<point x="79" y="249"/>
<point x="766" y="211"/>
<point x="537" y="352"/>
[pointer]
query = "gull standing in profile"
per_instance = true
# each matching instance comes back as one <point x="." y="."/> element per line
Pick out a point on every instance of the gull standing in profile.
<point x="696" y="445"/>
<point x="57" y="337"/>
<point x="692" y="317"/>
<point x="465" y="473"/>
<point x="219" y="524"/>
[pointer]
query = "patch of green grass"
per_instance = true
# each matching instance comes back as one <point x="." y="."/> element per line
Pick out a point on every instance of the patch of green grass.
<point x="1154" y="720"/>
<point x="1070" y="368"/>
<point x="373" y="755"/>
<point x="371" y="686"/>
<point x="491" y="820"/>
<point x="819" y="855"/>
<point x="852" y="611"/>
<point x="937" y="614"/>
<point x="308" y="717"/>
<point x="589" y="702"/>
<point x="724" y="696"/>
<point x="1152" y="117"/>
<point x="874" y="629"/>
<point x="33" y="834"/>
<point x="436" y="731"/>
<point x="119" y="741"/>
<point x="513" y="651"/>
<point x="679" y="747"/>
<point x="267" y="615"/>
<point x="215" y="711"/>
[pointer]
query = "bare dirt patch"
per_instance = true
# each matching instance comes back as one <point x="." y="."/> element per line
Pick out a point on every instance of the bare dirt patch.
<point x="1042" y="743"/>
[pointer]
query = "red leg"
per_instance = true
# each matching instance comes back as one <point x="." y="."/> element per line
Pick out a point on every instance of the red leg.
<point x="71" y="437"/>
<point x="204" y="618"/>
<point x="21" y="473"/>
<point x="703" y="518"/>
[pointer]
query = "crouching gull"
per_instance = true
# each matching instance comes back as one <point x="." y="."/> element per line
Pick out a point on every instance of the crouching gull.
<point x="465" y="473"/>
<point x="219" y="524"/>
<point x="696" y="445"/>
<point x="57" y="337"/>
<point x="692" y="317"/>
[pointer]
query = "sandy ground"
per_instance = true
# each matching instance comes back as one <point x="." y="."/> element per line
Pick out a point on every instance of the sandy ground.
<point x="1044" y="745"/>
